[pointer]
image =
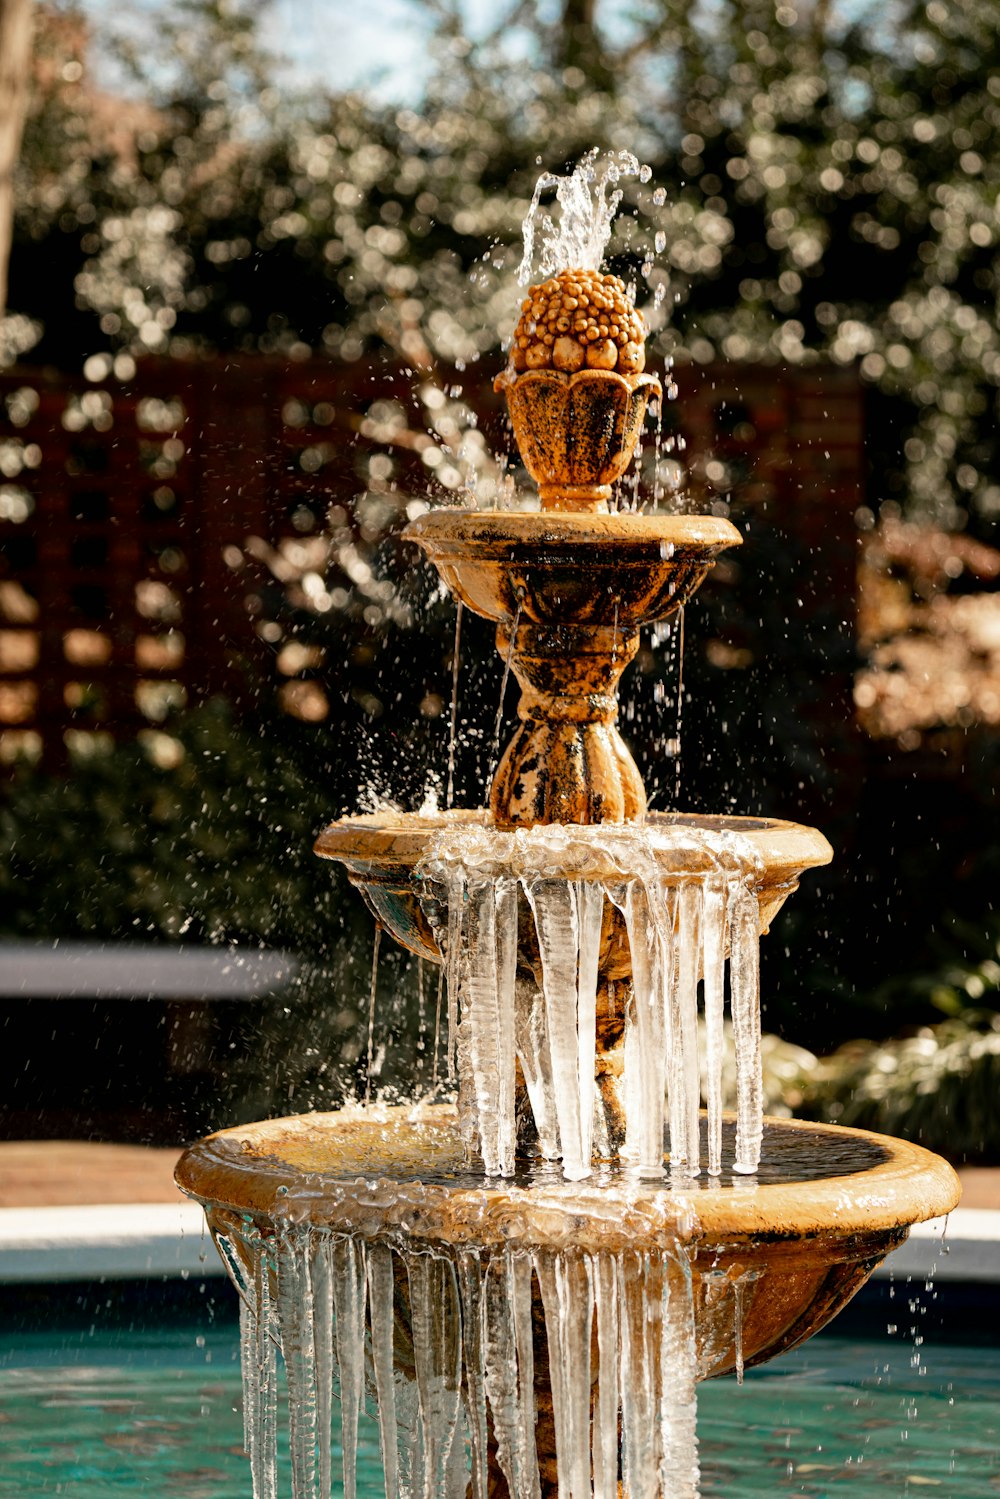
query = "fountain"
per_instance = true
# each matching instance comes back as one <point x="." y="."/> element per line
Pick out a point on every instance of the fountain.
<point x="530" y="1281"/>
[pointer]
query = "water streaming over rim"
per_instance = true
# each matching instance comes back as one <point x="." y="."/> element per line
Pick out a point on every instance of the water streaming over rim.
<point x="587" y="199"/>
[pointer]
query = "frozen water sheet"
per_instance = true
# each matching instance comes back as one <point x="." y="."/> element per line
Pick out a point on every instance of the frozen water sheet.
<point x="687" y="896"/>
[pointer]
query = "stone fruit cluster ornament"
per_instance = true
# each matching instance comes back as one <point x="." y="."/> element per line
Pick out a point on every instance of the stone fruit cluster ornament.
<point x="579" y="318"/>
<point x="575" y="388"/>
<point x="575" y="382"/>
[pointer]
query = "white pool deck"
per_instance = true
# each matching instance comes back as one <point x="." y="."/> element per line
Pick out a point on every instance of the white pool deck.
<point x="117" y="1241"/>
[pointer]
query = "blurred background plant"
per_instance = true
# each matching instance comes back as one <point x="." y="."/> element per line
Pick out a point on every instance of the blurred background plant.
<point x="826" y="191"/>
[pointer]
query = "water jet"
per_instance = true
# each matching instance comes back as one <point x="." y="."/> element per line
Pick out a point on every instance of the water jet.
<point x="532" y="1279"/>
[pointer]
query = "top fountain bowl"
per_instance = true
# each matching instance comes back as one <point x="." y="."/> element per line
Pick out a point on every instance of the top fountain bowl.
<point x="556" y="568"/>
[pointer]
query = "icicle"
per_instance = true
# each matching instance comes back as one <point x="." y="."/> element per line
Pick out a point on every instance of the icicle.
<point x="645" y="1033"/>
<point x="714" y="958"/>
<point x="605" y="1430"/>
<point x="568" y="1298"/>
<point x="260" y="1388"/>
<point x="556" y="931"/>
<point x="678" y="1373"/>
<point x="248" y="1369"/>
<point x="409" y="1439"/>
<point x="470" y="1286"/>
<point x="296" y="1320"/>
<point x="348" y="1277"/>
<point x="531" y="1042"/>
<point x="554" y="907"/>
<point x="641" y="1310"/>
<point x="322" y="1295"/>
<point x="509" y="1369"/>
<point x="738" y="1330"/>
<point x="506" y="896"/>
<point x="500" y="1352"/>
<point x="590" y="918"/>
<point x="744" y="983"/>
<point x="487" y="999"/>
<point x="685" y="1079"/>
<point x="437" y="1361"/>
<point x="520" y="1281"/>
<point x="382" y="1315"/>
<point x="741" y="1285"/>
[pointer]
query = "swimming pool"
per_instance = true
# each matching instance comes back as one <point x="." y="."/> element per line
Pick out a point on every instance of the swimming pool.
<point x="123" y="1392"/>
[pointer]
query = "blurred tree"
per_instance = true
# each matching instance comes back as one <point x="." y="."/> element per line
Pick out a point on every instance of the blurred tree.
<point x="15" y="57"/>
<point x="830" y="190"/>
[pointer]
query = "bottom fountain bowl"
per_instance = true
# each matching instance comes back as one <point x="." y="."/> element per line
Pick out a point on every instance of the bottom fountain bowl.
<point x="772" y="1257"/>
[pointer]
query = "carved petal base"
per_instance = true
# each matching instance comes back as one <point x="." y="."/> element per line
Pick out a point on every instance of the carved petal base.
<point x="567" y="762"/>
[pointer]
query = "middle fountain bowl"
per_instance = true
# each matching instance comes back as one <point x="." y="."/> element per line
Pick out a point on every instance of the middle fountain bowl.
<point x="383" y="852"/>
<point x="569" y="593"/>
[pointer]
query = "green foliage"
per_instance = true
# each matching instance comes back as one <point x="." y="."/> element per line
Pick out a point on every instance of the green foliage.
<point x="123" y="847"/>
<point x="967" y="976"/>
<point x="938" y="1087"/>
<point x="216" y="848"/>
<point x="937" y="1084"/>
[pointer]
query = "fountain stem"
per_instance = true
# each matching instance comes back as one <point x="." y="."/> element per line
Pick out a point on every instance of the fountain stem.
<point x="567" y="763"/>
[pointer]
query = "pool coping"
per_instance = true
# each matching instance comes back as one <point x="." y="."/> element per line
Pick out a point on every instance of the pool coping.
<point x="106" y="1241"/>
<point x="119" y="1241"/>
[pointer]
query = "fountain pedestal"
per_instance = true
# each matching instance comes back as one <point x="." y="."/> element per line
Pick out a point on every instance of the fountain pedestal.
<point x="569" y="593"/>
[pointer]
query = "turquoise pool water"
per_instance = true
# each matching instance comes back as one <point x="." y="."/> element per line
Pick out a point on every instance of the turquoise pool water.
<point x="93" y="1413"/>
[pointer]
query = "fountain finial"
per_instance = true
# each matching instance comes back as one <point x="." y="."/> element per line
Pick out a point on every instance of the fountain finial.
<point x="575" y="384"/>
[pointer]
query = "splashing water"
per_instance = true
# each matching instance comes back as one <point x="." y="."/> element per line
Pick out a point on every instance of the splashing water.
<point x="587" y="201"/>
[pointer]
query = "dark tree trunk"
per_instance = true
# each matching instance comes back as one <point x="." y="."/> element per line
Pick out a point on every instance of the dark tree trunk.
<point x="15" y="60"/>
<point x="579" y="45"/>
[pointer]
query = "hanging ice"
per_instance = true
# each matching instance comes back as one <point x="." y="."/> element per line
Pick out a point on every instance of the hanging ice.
<point x="468" y="1352"/>
<point x="686" y="898"/>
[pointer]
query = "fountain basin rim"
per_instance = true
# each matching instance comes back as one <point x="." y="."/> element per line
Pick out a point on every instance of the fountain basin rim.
<point x="336" y="1172"/>
<point x="448" y="533"/>
<point x="376" y="842"/>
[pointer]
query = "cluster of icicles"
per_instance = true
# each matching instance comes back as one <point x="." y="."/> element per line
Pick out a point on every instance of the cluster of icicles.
<point x="687" y="898"/>
<point x="464" y="1381"/>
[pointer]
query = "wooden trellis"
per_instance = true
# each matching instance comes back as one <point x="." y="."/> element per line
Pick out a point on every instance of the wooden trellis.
<point x="126" y="509"/>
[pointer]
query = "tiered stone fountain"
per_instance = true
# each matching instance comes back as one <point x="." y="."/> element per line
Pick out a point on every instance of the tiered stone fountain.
<point x="530" y="1282"/>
